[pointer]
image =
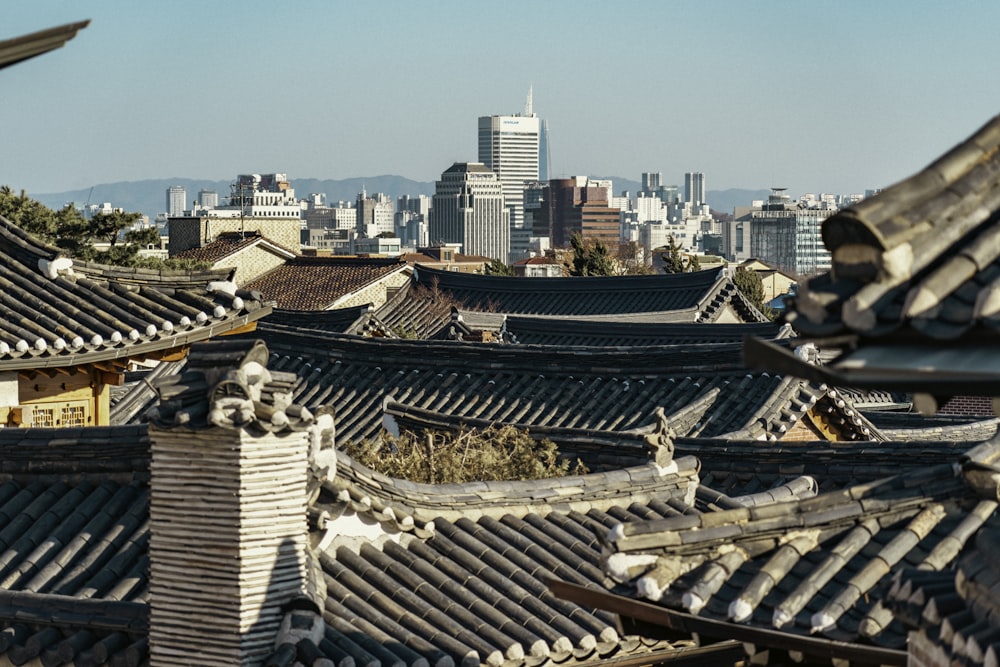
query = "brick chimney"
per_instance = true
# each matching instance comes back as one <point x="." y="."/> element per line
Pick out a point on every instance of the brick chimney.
<point x="229" y="481"/>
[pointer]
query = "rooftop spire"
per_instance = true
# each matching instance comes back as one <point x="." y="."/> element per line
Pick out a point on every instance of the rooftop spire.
<point x="527" y="104"/>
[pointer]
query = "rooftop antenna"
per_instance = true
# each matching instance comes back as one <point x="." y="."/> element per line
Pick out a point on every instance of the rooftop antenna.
<point x="527" y="104"/>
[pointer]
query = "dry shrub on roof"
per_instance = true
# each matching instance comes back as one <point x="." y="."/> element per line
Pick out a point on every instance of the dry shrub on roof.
<point x="494" y="453"/>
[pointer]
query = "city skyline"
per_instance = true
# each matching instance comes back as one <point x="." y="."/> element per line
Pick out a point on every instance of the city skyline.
<point x="816" y="98"/>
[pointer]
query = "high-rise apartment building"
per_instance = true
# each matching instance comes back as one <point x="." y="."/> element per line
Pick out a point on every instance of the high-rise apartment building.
<point x="651" y="182"/>
<point x="469" y="208"/>
<point x="694" y="188"/>
<point x="176" y="200"/>
<point x="510" y="147"/>
<point x="208" y="198"/>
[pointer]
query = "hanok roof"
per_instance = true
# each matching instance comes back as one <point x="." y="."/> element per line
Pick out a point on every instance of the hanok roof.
<point x="54" y="312"/>
<point x="914" y="269"/>
<point x="316" y="283"/>
<point x="74" y="535"/>
<point x="610" y="332"/>
<point x="819" y="566"/>
<point x="231" y="243"/>
<point x="469" y="585"/>
<point x="690" y="297"/>
<point x="908" y="426"/>
<point x="18" y="49"/>
<point x="705" y="387"/>
<point x="356" y="320"/>
<point x="953" y="611"/>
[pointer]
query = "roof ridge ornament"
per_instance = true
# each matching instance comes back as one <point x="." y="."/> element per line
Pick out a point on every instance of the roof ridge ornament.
<point x="53" y="268"/>
<point x="660" y="443"/>
<point x="228" y="384"/>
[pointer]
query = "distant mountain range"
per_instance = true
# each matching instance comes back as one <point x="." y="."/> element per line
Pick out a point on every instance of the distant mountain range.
<point x="149" y="196"/>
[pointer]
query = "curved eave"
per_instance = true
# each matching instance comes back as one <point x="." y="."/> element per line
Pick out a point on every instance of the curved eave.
<point x="162" y="343"/>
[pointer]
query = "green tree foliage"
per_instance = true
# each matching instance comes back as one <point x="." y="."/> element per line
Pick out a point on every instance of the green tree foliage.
<point x="495" y="453"/>
<point x="499" y="268"/>
<point x="77" y="236"/>
<point x="676" y="261"/>
<point x="673" y="258"/>
<point x="749" y="283"/>
<point x="590" y="258"/>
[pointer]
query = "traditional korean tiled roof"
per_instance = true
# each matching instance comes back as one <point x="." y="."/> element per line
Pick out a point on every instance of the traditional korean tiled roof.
<point x="416" y="311"/>
<point x="582" y="388"/>
<point x="952" y="612"/>
<point x="820" y="566"/>
<point x="468" y="584"/>
<point x="55" y="312"/>
<point x="604" y="332"/>
<point x="690" y="297"/>
<point x="137" y="395"/>
<point x="919" y="256"/>
<point x="831" y="465"/>
<point x="230" y="243"/>
<point x="907" y="426"/>
<point x="356" y="320"/>
<point x="73" y="535"/>
<point x="401" y="505"/>
<point x="315" y="283"/>
<point x="18" y="49"/>
<point x="601" y="450"/>
<point x="914" y="268"/>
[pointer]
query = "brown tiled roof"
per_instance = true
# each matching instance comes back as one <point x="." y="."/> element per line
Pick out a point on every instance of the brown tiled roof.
<point x="315" y="283"/>
<point x="229" y="243"/>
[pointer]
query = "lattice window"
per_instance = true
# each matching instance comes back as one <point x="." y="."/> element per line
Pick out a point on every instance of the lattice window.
<point x="74" y="415"/>
<point x="43" y="417"/>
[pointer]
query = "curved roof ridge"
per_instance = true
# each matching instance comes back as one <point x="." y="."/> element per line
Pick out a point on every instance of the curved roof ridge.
<point x="370" y="491"/>
<point x="678" y="358"/>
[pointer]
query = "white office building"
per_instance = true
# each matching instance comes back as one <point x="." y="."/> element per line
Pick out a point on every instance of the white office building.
<point x="509" y="146"/>
<point x="176" y="200"/>
<point x="469" y="208"/>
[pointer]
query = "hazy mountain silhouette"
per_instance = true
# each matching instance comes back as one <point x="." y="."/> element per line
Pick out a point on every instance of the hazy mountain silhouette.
<point x="149" y="196"/>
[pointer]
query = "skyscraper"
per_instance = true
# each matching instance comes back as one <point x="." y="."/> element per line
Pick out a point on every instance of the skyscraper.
<point x="510" y="147"/>
<point x="468" y="208"/>
<point x="208" y="198"/>
<point x="176" y="200"/>
<point x="694" y="188"/>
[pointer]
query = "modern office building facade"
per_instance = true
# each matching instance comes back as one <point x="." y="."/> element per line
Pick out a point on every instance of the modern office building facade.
<point x="577" y="205"/>
<point x="783" y="233"/>
<point x="375" y="214"/>
<point x="510" y="146"/>
<point x="176" y="200"/>
<point x="469" y="208"/>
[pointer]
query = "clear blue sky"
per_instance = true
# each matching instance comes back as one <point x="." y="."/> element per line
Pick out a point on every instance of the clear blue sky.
<point x="813" y="96"/>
